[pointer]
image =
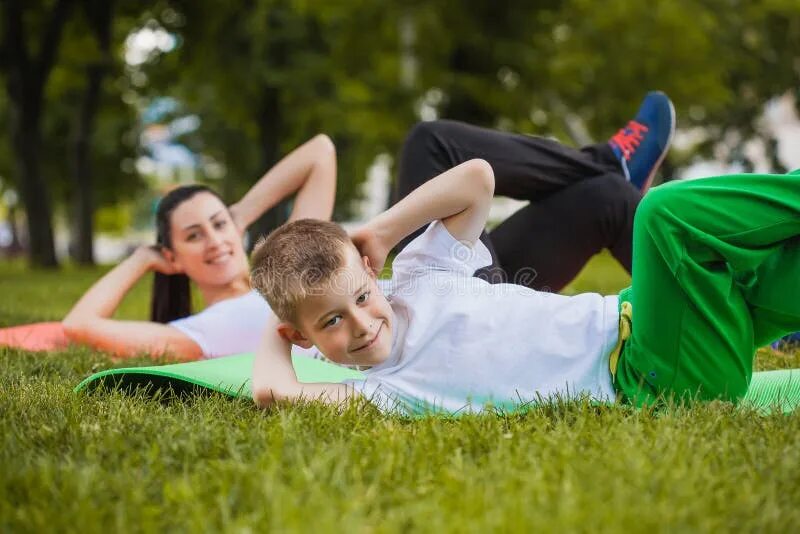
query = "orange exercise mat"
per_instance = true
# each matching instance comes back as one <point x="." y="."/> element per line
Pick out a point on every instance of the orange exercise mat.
<point x="36" y="336"/>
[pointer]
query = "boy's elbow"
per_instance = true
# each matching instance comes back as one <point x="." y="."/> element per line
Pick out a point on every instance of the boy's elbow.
<point x="483" y="176"/>
<point x="263" y="397"/>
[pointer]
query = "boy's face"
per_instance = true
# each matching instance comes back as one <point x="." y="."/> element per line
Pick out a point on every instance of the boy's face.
<point x="349" y="320"/>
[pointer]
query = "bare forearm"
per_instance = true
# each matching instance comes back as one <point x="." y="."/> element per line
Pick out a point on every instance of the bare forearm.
<point x="327" y="393"/>
<point x="274" y="377"/>
<point x="126" y="338"/>
<point x="316" y="195"/>
<point x="273" y="373"/>
<point x="461" y="196"/>
<point x="103" y="298"/>
<point x="309" y="171"/>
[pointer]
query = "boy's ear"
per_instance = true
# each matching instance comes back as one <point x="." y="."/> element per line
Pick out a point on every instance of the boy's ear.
<point x="294" y="336"/>
<point x="368" y="266"/>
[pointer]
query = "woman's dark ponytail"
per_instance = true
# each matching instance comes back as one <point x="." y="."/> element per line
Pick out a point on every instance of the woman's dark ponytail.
<point x="172" y="294"/>
<point x="171" y="299"/>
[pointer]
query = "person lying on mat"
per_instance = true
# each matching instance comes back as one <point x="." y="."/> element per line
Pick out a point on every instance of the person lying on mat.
<point x="593" y="193"/>
<point x="714" y="276"/>
<point x="200" y="240"/>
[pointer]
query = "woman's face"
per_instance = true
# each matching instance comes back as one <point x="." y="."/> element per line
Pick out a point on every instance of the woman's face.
<point x="206" y="245"/>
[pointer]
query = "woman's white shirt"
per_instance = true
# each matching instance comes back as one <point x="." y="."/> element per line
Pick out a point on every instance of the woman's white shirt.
<point x="231" y="326"/>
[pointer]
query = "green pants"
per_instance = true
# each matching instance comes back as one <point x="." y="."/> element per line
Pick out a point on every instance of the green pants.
<point x="716" y="274"/>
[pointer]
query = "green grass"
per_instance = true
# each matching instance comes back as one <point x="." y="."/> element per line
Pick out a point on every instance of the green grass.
<point x="113" y="462"/>
<point x="602" y="274"/>
<point x="47" y="295"/>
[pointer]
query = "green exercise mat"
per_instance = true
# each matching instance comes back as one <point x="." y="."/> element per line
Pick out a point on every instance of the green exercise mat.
<point x="769" y="390"/>
<point x="774" y="391"/>
<point x="229" y="375"/>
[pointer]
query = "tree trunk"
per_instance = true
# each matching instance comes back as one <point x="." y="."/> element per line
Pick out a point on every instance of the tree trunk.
<point x="16" y="243"/>
<point x="100" y="14"/>
<point x="26" y="142"/>
<point x="269" y="121"/>
<point x="270" y="126"/>
<point x="26" y="78"/>
<point x="82" y="249"/>
<point x="460" y="105"/>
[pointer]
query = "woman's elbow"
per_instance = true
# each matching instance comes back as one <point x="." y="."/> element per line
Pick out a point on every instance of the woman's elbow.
<point x="324" y="144"/>
<point x="74" y="328"/>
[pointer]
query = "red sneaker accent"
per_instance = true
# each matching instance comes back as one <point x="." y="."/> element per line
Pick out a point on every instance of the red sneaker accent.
<point x="628" y="138"/>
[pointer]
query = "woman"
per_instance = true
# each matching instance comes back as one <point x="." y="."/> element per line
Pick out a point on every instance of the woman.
<point x="200" y="240"/>
<point x="585" y="192"/>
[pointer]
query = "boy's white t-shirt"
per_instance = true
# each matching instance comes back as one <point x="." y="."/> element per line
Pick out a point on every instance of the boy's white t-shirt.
<point x="460" y="343"/>
<point x="231" y="326"/>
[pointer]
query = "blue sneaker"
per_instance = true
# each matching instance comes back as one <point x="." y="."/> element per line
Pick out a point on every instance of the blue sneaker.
<point x="643" y="143"/>
<point x="790" y="340"/>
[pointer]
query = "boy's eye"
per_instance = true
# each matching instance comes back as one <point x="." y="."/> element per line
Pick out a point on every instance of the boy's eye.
<point x="220" y="224"/>
<point x="333" y="321"/>
<point x="362" y="298"/>
<point x="192" y="236"/>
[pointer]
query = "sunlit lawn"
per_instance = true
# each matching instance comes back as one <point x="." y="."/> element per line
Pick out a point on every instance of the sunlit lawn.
<point x="119" y="463"/>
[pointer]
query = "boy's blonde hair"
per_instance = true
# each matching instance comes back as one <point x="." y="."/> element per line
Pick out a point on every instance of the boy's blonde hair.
<point x="294" y="260"/>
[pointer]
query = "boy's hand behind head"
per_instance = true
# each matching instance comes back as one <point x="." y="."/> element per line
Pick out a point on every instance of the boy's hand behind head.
<point x="372" y="247"/>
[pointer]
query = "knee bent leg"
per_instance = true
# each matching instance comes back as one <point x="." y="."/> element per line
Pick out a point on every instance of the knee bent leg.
<point x="657" y="203"/>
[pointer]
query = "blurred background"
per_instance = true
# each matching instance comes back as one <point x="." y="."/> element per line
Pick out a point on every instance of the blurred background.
<point x="109" y="103"/>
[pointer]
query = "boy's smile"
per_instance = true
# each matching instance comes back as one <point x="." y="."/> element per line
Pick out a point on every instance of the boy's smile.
<point x="371" y="343"/>
<point x="348" y="318"/>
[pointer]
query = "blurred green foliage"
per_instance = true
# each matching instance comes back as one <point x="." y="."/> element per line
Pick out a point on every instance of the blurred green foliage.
<point x="114" y="219"/>
<point x="265" y="75"/>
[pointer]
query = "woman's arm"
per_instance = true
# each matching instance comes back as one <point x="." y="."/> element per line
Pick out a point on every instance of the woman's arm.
<point x="89" y="321"/>
<point x="459" y="197"/>
<point x="309" y="170"/>
<point x="274" y="378"/>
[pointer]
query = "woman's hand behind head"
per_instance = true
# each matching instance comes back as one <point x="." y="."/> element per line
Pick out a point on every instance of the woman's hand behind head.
<point x="153" y="258"/>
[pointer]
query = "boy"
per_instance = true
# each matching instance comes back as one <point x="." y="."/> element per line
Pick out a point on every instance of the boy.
<point x="716" y="273"/>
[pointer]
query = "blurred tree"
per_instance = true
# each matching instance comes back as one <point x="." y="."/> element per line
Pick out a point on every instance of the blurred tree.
<point x="99" y="17"/>
<point x="720" y="60"/>
<point x="268" y="75"/>
<point x="576" y="70"/>
<point x="61" y="149"/>
<point x="265" y="75"/>
<point x="485" y="64"/>
<point x="31" y="38"/>
<point x="88" y="130"/>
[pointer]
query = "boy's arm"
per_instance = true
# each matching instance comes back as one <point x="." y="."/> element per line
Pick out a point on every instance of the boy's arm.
<point x="274" y="378"/>
<point x="309" y="170"/>
<point x="459" y="197"/>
